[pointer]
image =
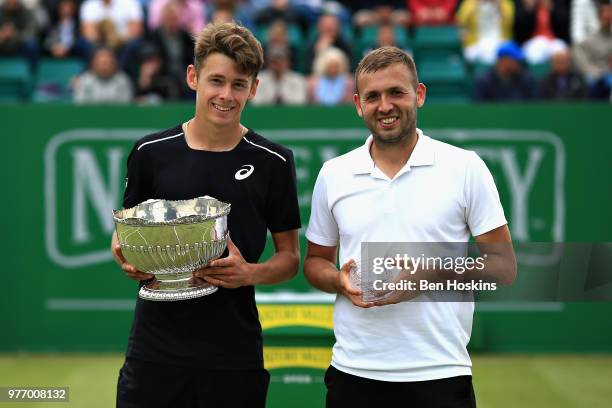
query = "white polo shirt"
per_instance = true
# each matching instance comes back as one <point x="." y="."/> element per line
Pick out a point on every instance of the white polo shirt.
<point x="442" y="194"/>
<point x="120" y="12"/>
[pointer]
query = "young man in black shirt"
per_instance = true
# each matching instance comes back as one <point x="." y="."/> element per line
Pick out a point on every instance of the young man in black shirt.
<point x="207" y="352"/>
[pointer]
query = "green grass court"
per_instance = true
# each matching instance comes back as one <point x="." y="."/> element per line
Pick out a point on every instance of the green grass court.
<point x="508" y="381"/>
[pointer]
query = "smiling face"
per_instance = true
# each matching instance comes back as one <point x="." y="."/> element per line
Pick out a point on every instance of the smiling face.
<point x="222" y="90"/>
<point x="388" y="102"/>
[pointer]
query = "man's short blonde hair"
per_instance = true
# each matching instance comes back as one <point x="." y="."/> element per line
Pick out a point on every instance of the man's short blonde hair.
<point x="233" y="41"/>
<point x="382" y="58"/>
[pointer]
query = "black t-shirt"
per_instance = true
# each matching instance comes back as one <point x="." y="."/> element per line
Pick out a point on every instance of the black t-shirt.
<point x="257" y="177"/>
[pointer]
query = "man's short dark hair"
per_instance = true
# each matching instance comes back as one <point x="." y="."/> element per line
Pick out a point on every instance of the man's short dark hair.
<point x="382" y="58"/>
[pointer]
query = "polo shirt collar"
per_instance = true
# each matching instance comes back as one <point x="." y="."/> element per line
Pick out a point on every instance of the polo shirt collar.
<point x="422" y="155"/>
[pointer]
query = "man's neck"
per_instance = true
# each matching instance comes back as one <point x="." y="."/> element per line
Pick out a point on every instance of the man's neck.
<point x="203" y="135"/>
<point x="391" y="157"/>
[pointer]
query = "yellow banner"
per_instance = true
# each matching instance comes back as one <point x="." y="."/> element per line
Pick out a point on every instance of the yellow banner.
<point x="284" y="315"/>
<point x="308" y="357"/>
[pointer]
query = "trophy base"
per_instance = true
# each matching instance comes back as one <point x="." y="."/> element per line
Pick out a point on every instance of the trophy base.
<point x="155" y="291"/>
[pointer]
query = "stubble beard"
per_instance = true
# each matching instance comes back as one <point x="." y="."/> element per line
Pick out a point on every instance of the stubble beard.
<point x="404" y="135"/>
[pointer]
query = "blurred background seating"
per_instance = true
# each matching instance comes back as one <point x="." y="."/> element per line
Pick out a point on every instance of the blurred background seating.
<point x="453" y="41"/>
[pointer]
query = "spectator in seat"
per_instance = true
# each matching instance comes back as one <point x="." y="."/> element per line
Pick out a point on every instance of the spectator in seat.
<point x="541" y="27"/>
<point x="103" y="82"/>
<point x="486" y="24"/>
<point x="385" y="37"/>
<point x="331" y="83"/>
<point x="278" y="84"/>
<point x="192" y="15"/>
<point x="219" y="16"/>
<point x="17" y="31"/>
<point x="62" y="37"/>
<point x="115" y="24"/>
<point x="278" y="37"/>
<point x="508" y="80"/>
<point x="593" y="54"/>
<point x="154" y="85"/>
<point x="378" y="12"/>
<point x="174" y="45"/>
<point x="39" y="11"/>
<point x="563" y="82"/>
<point x="328" y="35"/>
<point x="602" y="88"/>
<point x="432" y="12"/>
<point x="239" y="10"/>
<point x="279" y="10"/>
<point x="308" y="10"/>
<point x="583" y="20"/>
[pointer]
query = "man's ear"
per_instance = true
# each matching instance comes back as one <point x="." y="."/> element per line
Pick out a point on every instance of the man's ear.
<point x="421" y="92"/>
<point x="357" y="105"/>
<point x="253" y="89"/>
<point x="191" y="77"/>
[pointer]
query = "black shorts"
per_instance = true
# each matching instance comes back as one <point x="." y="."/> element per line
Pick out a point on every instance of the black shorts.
<point x="346" y="390"/>
<point x="150" y="385"/>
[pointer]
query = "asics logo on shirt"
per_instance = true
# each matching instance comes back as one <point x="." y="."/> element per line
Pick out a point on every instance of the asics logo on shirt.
<point x="244" y="172"/>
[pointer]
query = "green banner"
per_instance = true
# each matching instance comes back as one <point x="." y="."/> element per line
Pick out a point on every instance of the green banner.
<point x="65" y="167"/>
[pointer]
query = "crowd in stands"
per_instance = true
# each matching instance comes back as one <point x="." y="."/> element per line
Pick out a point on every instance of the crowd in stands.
<point x="484" y="50"/>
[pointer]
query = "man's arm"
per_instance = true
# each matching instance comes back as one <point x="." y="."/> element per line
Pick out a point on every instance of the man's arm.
<point x="320" y="270"/>
<point x="284" y="263"/>
<point x="500" y="264"/>
<point x="499" y="261"/>
<point x="233" y="271"/>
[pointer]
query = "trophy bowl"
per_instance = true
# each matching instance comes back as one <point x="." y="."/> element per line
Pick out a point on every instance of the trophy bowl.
<point x="171" y="239"/>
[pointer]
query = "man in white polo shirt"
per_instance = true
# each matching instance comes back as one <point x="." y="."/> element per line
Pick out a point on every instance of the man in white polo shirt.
<point x="117" y="24"/>
<point x="401" y="186"/>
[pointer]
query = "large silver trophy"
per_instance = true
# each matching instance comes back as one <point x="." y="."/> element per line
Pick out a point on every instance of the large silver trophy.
<point x="171" y="239"/>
